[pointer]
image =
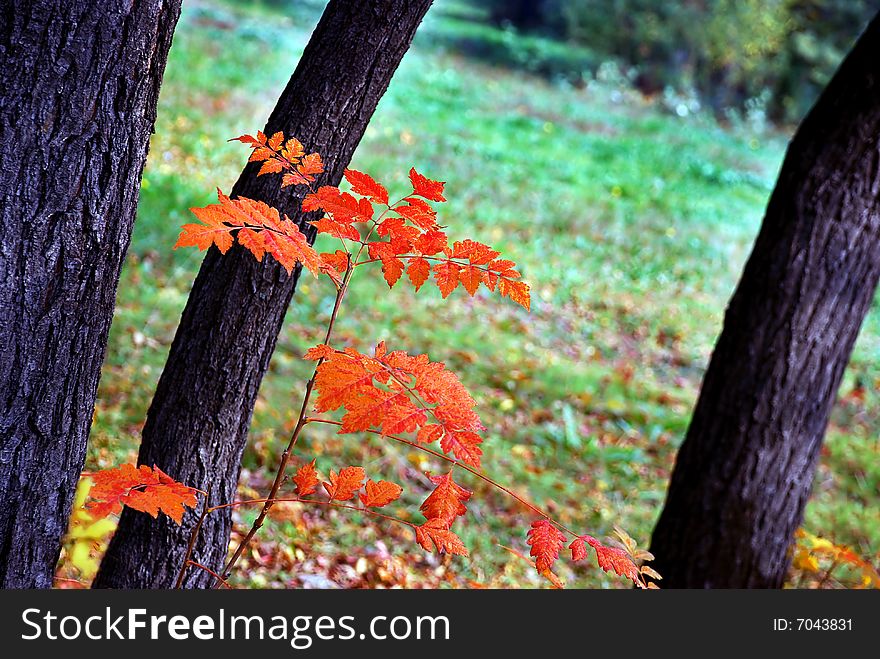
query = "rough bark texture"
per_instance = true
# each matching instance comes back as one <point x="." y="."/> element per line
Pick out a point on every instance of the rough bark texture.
<point x="79" y="81"/>
<point x="197" y="424"/>
<point x="745" y="470"/>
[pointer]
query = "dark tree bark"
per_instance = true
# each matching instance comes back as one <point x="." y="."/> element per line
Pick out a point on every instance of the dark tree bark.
<point x="745" y="470"/>
<point x="79" y="80"/>
<point x="197" y="424"/>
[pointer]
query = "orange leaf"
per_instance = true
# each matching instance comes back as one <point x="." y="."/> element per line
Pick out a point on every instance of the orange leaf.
<point x="341" y="205"/>
<point x="434" y="532"/>
<point x="254" y="142"/>
<point x="578" y="549"/>
<point x="614" y="559"/>
<point x="431" y="242"/>
<point x="392" y="269"/>
<point x="392" y="411"/>
<point x="336" y="229"/>
<point x="310" y="165"/>
<point x="380" y="392"/>
<point x="425" y="187"/>
<point x="289" y="246"/>
<point x="446" y="276"/>
<point x="345" y="484"/>
<point x="293" y="178"/>
<point x="470" y="278"/>
<point x="320" y="351"/>
<point x="271" y="166"/>
<point x="430" y="433"/>
<point x="343" y="377"/>
<point x="253" y="242"/>
<point x="363" y="184"/>
<point x="337" y="260"/>
<point x="419" y="212"/>
<point x="275" y="141"/>
<point x="546" y="541"/>
<point x="550" y="576"/>
<point x="380" y="494"/>
<point x="260" y="153"/>
<point x="293" y="149"/>
<point x="418" y="271"/>
<point x="463" y="445"/>
<point x="399" y="232"/>
<point x="306" y="479"/>
<point x="447" y="500"/>
<point x="218" y="222"/>
<point x="146" y="489"/>
<point x="476" y="253"/>
<point x="279" y="237"/>
<point x="518" y="291"/>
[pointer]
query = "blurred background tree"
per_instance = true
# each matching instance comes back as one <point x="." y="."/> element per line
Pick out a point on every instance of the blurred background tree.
<point x="776" y="55"/>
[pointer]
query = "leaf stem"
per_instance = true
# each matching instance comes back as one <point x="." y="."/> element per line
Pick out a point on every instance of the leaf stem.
<point x="300" y="424"/>
<point x="462" y="465"/>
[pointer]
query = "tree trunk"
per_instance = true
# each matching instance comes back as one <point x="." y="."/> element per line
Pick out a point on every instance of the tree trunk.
<point x="745" y="470"/>
<point x="80" y="80"/>
<point x="197" y="424"/>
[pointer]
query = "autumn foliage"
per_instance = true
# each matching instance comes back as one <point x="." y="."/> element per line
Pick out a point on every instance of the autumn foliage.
<point x="388" y="394"/>
<point x="149" y="490"/>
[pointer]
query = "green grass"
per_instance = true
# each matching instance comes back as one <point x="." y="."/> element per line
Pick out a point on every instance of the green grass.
<point x="631" y="224"/>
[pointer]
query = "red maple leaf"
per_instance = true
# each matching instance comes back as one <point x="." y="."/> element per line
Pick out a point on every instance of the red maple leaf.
<point x="336" y="229"/>
<point x="146" y="489"/>
<point x="446" y="276"/>
<point x="306" y="479"/>
<point x="446" y="501"/>
<point x="380" y="494"/>
<point x="431" y="242"/>
<point x="546" y="541"/>
<point x="345" y="484"/>
<point x="612" y="559"/>
<point x="425" y="187"/>
<point x="433" y="532"/>
<point x="259" y="227"/>
<point x="463" y="445"/>
<point x="430" y="433"/>
<point x="363" y="184"/>
<point x="398" y="393"/>
<point x="418" y="271"/>
<point x="341" y="205"/>
<point x="578" y="548"/>
<point x="418" y="211"/>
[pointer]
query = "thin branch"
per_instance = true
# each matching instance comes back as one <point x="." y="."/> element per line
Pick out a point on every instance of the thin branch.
<point x="211" y="572"/>
<point x="267" y="503"/>
<point x="300" y="424"/>
<point x="461" y="465"/>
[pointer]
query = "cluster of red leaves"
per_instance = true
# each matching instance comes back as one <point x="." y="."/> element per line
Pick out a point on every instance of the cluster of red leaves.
<point x="146" y="489"/>
<point x="610" y="559"/>
<point x="280" y="155"/>
<point x="546" y="541"/>
<point x="442" y="506"/>
<point x="440" y="509"/>
<point x="411" y="240"/>
<point x="396" y="393"/>
<point x="391" y="392"/>
<point x="344" y="485"/>
<point x="258" y="227"/>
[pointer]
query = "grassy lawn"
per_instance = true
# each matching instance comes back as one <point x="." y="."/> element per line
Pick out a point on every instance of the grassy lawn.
<point x="631" y="223"/>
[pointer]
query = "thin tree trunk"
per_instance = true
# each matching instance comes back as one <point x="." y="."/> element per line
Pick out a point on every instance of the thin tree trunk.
<point x="80" y="80"/>
<point x="745" y="470"/>
<point x="197" y="424"/>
